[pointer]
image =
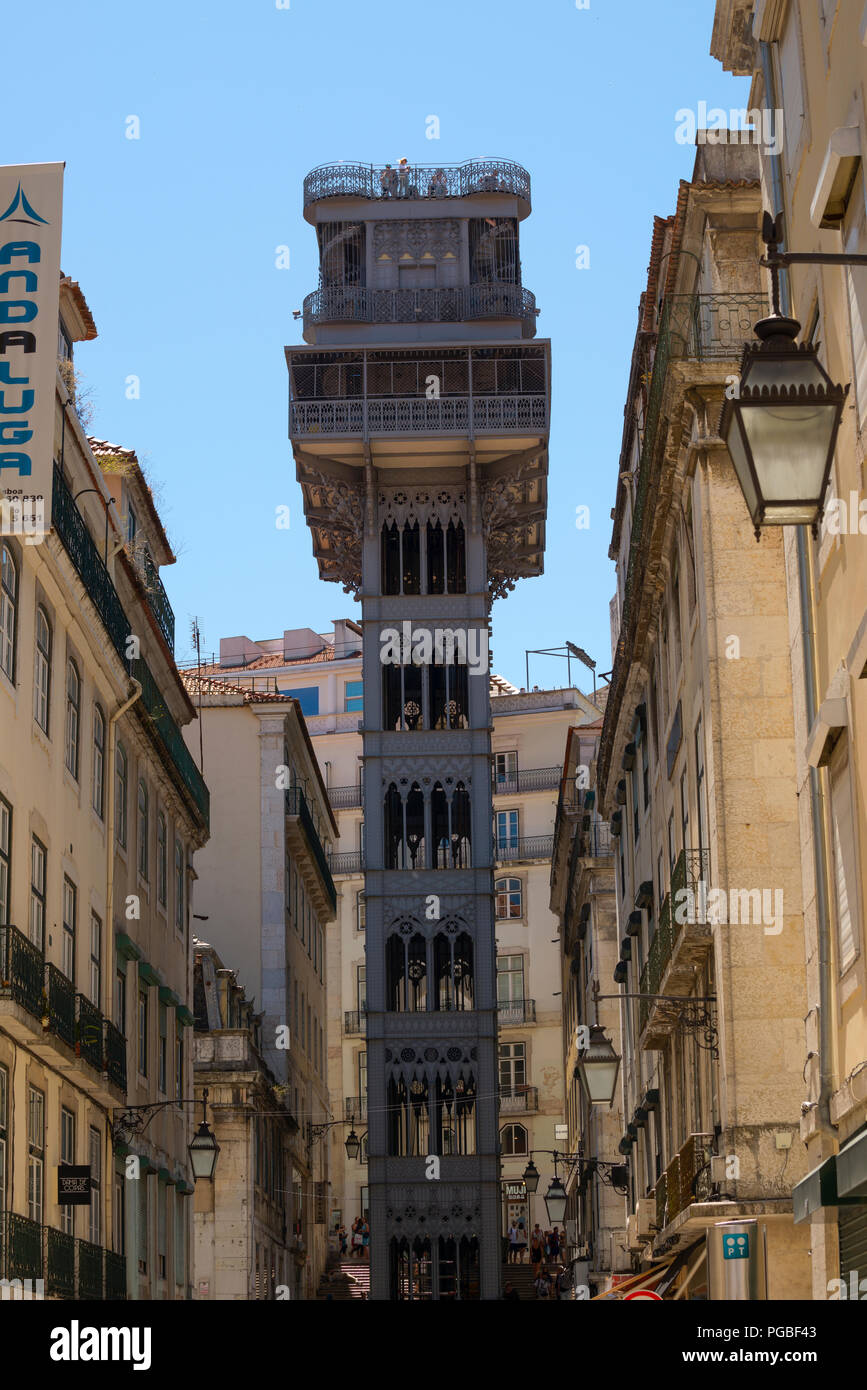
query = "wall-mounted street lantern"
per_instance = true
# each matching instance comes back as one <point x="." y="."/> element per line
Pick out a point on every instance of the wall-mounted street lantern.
<point x="597" y="1067"/>
<point x="203" y="1147"/>
<point x="781" y="426"/>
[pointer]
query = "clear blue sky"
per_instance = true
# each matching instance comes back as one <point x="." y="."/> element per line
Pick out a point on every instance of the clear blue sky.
<point x="173" y="240"/>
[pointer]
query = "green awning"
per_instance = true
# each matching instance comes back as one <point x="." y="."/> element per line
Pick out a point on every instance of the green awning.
<point x="165" y="1176"/>
<point x="148" y="973"/>
<point x="184" y="1017"/>
<point x="818" y="1189"/>
<point x="126" y="947"/>
<point x="852" y="1168"/>
<point x="168" y="996"/>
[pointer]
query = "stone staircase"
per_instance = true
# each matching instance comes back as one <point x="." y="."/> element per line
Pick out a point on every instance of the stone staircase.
<point x="521" y="1276"/>
<point x="347" y="1280"/>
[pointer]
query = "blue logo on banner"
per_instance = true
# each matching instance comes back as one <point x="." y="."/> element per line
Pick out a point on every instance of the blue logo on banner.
<point x="736" y="1247"/>
<point x="20" y="204"/>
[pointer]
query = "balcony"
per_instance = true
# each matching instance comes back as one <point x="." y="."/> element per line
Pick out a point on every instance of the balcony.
<point x="416" y="415"/>
<point x="355" y="1109"/>
<point x="354" y="1022"/>
<point x="21" y="976"/>
<point x="342" y="864"/>
<point x="60" y="1001"/>
<point x="357" y="304"/>
<point x="158" y="599"/>
<point x="678" y="946"/>
<point x="525" y="850"/>
<point x="430" y="182"/>
<point x="713" y="327"/>
<point x="533" y="779"/>
<point x="597" y="842"/>
<point x="59" y="1263"/>
<point x="115" y="1277"/>
<point x="513" y="1013"/>
<point x="89" y="1269"/>
<point x="70" y="1268"/>
<point x="686" y="1180"/>
<point x="344" y="798"/>
<point x="519" y="1100"/>
<point x="79" y="545"/>
<point x="89" y="1032"/>
<point x="115" y="1055"/>
<point x="296" y="806"/>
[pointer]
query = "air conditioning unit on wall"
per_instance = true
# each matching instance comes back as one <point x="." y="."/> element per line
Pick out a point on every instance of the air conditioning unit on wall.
<point x="645" y="1217"/>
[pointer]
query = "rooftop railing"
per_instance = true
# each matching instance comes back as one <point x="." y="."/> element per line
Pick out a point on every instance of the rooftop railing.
<point x="339" y="304"/>
<point x="420" y="181"/>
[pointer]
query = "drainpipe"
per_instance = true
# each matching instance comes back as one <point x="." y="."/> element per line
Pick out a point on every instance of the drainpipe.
<point x="817" y="808"/>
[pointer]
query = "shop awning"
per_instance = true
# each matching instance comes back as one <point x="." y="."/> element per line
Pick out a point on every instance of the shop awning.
<point x="648" y="1280"/>
<point x="852" y="1168"/>
<point x="818" y="1189"/>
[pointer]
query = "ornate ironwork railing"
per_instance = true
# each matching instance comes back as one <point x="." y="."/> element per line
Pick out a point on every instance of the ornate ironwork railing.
<point x="115" y="1276"/>
<point x="529" y="779"/>
<point x="452" y="304"/>
<point x="354" y="1022"/>
<point x="60" y="999"/>
<point x="79" y="545"/>
<point x="89" y="1030"/>
<point x="296" y="805"/>
<point x="343" y="797"/>
<point x="356" y="1108"/>
<point x="661" y="1196"/>
<point x="690" y="871"/>
<point x="513" y="1012"/>
<point x="158" y="599"/>
<point x="519" y="1100"/>
<point x="21" y="970"/>
<point x="89" y="1269"/>
<point x="59" y="1263"/>
<point x="597" y="842"/>
<point x="115" y="1054"/>
<point x="421" y="181"/>
<point x="714" y="327"/>
<point x="350" y="863"/>
<point x="399" y="415"/>
<point x="694" y="1159"/>
<point x="20" y="1247"/>
<point x="529" y="847"/>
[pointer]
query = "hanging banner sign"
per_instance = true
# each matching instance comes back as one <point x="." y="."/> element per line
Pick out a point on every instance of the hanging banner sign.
<point x="31" y="205"/>
<point x="73" y="1185"/>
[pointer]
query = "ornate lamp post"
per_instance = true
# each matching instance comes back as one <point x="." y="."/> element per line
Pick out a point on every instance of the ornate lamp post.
<point x="203" y="1147"/>
<point x="597" y="1068"/>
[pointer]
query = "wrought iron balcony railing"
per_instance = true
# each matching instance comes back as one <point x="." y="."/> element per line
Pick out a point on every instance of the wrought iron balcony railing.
<point x="89" y="1269"/>
<point x="78" y="543"/>
<point x="527" y="848"/>
<point x="89" y="1031"/>
<point x="115" y="1054"/>
<point x="454" y="304"/>
<point x="526" y="779"/>
<point x="411" y="415"/>
<point x="342" y="798"/>
<point x="59" y="1263"/>
<point x="356" y="1109"/>
<point x="21" y="970"/>
<point x="157" y="598"/>
<point x="350" y="863"/>
<point x="422" y="181"/>
<point x="296" y="805"/>
<point x="519" y="1100"/>
<point x="513" y="1012"/>
<point x="354" y="1022"/>
<point x="714" y="327"/>
<point x="60" y="1004"/>
<point x="115" y="1276"/>
<point x="597" y="842"/>
<point x="20" y="1247"/>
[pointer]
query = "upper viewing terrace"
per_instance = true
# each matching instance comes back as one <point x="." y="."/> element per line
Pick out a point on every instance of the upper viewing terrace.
<point x="411" y="182"/>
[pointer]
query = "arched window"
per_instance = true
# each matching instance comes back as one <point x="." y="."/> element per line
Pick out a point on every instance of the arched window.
<point x="8" y="610"/>
<point x="513" y="1140"/>
<point x="452" y="833"/>
<point x="162" y="860"/>
<point x="403" y="699"/>
<point x="456" y="559"/>
<point x="98" y="790"/>
<point x="404" y="828"/>
<point x="453" y="971"/>
<point x="42" y="672"/>
<point x="73" y="716"/>
<point x="406" y="973"/>
<point x="390" y="559"/>
<point x="449" y="696"/>
<point x="509" y="897"/>
<point x="401" y="558"/>
<point x="143" y="828"/>
<point x="120" y="786"/>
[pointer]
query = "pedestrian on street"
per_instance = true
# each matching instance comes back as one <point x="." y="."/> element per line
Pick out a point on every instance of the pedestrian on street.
<point x="522" y="1241"/>
<point x="513" y="1244"/>
<point x="365" y="1241"/>
<point x="341" y="1236"/>
<point x="537" y="1249"/>
<point x="542" y="1283"/>
<point x="357" y="1239"/>
<point x="554" y="1244"/>
<point x="510" y="1293"/>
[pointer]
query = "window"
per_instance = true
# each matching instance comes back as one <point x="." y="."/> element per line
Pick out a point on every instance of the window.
<point x="98" y="762"/>
<point x="42" y="672"/>
<point x="179" y="1066"/>
<point x="353" y="696"/>
<point x="131" y="524"/>
<point x="143" y="828"/>
<point x="507" y="830"/>
<point x="4" y="1131"/>
<point x="37" y="893"/>
<point x="701" y="808"/>
<point x="791" y="92"/>
<point x="143" y="1032"/>
<point x="121" y="773"/>
<point x="684" y="810"/>
<point x="120" y="1000"/>
<point x="513" y="1140"/>
<point x="362" y="1075"/>
<point x="844" y="857"/>
<point x="672" y="852"/>
<point x="70" y="896"/>
<point x="162" y="860"/>
<point x="307" y="697"/>
<point x="510" y="979"/>
<point x="95" y="960"/>
<point x="35" y="1154"/>
<point x="8" y="611"/>
<point x="506" y="772"/>
<point x="180" y="886"/>
<point x="162" y="1057"/>
<point x="64" y="343"/>
<point x="118" y="1222"/>
<point x="361" y="987"/>
<point x="676" y="646"/>
<point x="512" y="1058"/>
<point x="94" y="1154"/>
<point x="161" y="1229"/>
<point x="73" y="717"/>
<point x="5" y="859"/>
<point x="67" y="1155"/>
<point x="143" y="1224"/>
